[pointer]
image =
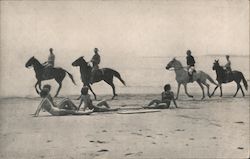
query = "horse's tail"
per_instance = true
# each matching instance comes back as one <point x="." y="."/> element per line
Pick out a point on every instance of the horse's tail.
<point x="244" y="80"/>
<point x="211" y="80"/>
<point x="117" y="75"/>
<point x="71" y="77"/>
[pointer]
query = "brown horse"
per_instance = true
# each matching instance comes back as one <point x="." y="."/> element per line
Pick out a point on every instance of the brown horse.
<point x="224" y="77"/>
<point x="105" y="74"/>
<point x="56" y="73"/>
<point x="182" y="77"/>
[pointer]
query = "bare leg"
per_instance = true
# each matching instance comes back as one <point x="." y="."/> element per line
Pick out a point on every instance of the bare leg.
<point x="62" y="112"/>
<point x="92" y="91"/>
<point x="103" y="103"/>
<point x="185" y="87"/>
<point x="155" y="101"/>
<point x="67" y="104"/>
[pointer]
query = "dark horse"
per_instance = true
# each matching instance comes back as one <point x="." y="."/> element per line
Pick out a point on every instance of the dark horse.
<point x="105" y="74"/>
<point x="56" y="73"/>
<point x="226" y="77"/>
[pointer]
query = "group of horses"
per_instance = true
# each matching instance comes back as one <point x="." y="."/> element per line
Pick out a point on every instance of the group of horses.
<point x="222" y="76"/>
<point x="57" y="73"/>
<point x="107" y="74"/>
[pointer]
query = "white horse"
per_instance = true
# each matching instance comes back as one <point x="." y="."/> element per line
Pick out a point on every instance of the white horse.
<point x="182" y="77"/>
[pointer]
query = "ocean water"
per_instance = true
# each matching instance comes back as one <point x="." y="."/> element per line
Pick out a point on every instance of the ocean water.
<point x="141" y="74"/>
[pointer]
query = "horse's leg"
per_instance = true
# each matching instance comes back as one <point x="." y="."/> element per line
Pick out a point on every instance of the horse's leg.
<point x="238" y="87"/>
<point x="113" y="87"/>
<point x="243" y="94"/>
<point x="59" y="88"/>
<point x="214" y="90"/>
<point x="207" y="85"/>
<point x="220" y="90"/>
<point x="92" y="91"/>
<point x="178" y="90"/>
<point x="59" y="76"/>
<point x="36" y="86"/>
<point x="202" y="88"/>
<point x="110" y="82"/>
<point x="185" y="87"/>
<point x="40" y="85"/>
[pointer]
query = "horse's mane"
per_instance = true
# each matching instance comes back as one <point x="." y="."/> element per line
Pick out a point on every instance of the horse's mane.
<point x="36" y="60"/>
<point x="221" y="69"/>
<point x="178" y="62"/>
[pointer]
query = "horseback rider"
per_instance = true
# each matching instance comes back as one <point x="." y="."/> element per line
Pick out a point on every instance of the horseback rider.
<point x="96" y="59"/>
<point x="48" y="65"/>
<point x="51" y="59"/>
<point x="228" y="64"/>
<point x="190" y="65"/>
<point x="227" y="67"/>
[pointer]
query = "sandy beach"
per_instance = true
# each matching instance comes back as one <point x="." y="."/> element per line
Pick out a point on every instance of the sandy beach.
<point x="212" y="128"/>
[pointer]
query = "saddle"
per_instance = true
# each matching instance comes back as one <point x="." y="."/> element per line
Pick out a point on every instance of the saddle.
<point x="227" y="75"/>
<point x="47" y="72"/>
<point x="96" y="75"/>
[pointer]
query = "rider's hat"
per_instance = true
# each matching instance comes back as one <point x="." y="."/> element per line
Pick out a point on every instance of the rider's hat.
<point x="96" y="49"/>
<point x="51" y="49"/>
<point x="227" y="56"/>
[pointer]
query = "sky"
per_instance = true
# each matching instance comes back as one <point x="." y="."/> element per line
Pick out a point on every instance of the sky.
<point x="119" y="29"/>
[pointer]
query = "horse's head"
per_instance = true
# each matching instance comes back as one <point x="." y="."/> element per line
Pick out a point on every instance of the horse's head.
<point x="30" y="62"/>
<point x="216" y="65"/>
<point x="79" y="62"/>
<point x="173" y="64"/>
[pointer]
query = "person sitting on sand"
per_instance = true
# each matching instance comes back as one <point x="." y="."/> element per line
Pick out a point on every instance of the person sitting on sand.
<point x="166" y="97"/>
<point x="85" y="98"/>
<point x="65" y="107"/>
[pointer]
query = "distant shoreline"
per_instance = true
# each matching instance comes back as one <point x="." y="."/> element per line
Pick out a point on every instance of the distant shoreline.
<point x="211" y="55"/>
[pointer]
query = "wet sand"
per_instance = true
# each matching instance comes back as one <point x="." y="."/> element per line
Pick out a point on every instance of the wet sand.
<point x="212" y="128"/>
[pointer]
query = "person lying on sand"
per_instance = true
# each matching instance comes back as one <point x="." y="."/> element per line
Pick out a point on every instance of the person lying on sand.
<point x="65" y="107"/>
<point x="85" y="98"/>
<point x="166" y="97"/>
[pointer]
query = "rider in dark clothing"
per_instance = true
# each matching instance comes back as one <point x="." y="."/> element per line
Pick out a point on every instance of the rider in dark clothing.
<point x="190" y="65"/>
<point x="228" y="69"/>
<point x="96" y="59"/>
